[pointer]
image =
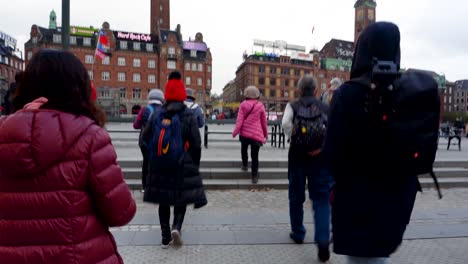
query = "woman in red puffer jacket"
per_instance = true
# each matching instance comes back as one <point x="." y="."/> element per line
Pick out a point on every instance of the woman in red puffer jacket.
<point x="60" y="185"/>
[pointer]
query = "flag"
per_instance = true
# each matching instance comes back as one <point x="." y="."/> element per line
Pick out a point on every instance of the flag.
<point x="103" y="47"/>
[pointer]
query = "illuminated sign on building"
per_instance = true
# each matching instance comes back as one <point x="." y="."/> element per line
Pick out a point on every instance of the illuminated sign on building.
<point x="9" y="40"/>
<point x="193" y="45"/>
<point x="302" y="56"/>
<point x="82" y="31"/>
<point x="133" y="36"/>
<point x="265" y="54"/>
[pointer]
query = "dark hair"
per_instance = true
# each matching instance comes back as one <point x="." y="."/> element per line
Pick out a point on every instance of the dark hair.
<point x="175" y="75"/>
<point x="60" y="77"/>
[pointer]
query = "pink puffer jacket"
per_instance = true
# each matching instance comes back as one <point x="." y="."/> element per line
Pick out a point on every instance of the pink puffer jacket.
<point x="253" y="125"/>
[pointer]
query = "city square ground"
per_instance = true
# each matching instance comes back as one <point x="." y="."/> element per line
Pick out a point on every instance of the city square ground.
<point x="252" y="226"/>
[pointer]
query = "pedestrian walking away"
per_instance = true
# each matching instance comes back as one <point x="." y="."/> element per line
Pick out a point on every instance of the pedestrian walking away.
<point x="174" y="144"/>
<point x="194" y="107"/>
<point x="328" y="95"/>
<point x="377" y="143"/>
<point x="251" y="126"/>
<point x="60" y="185"/>
<point x="155" y="102"/>
<point x="304" y="123"/>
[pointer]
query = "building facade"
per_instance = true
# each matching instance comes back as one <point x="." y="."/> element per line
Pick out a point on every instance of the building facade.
<point x="138" y="63"/>
<point x="364" y="16"/>
<point x="10" y="62"/>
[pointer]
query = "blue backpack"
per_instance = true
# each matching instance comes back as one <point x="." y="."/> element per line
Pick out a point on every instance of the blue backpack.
<point x="167" y="148"/>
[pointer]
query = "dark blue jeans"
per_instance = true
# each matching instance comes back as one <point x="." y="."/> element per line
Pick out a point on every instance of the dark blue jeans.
<point x="319" y="182"/>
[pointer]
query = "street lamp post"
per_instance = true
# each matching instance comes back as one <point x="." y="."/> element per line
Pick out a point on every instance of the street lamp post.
<point x="66" y="24"/>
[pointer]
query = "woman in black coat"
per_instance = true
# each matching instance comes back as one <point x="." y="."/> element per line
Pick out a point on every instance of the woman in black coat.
<point x="181" y="184"/>
<point x="370" y="210"/>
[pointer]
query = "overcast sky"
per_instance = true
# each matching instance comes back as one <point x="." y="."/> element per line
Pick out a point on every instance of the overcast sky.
<point x="434" y="32"/>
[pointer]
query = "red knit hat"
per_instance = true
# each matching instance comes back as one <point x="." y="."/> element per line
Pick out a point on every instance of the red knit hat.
<point x="175" y="89"/>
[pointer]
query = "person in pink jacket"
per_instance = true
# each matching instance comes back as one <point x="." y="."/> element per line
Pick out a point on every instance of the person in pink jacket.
<point x="251" y="125"/>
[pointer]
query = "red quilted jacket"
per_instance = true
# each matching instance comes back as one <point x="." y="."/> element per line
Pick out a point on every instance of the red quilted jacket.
<point x="60" y="190"/>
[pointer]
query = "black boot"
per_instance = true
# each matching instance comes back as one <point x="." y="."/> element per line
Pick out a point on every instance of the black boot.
<point x="323" y="253"/>
<point x="255" y="177"/>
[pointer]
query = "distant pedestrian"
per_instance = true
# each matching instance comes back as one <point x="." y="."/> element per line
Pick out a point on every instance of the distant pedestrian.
<point x="194" y="107"/>
<point x="60" y="185"/>
<point x="377" y="143"/>
<point x="328" y="94"/>
<point x="8" y="99"/>
<point x="155" y="102"/>
<point x="251" y="125"/>
<point x="174" y="178"/>
<point x="305" y="122"/>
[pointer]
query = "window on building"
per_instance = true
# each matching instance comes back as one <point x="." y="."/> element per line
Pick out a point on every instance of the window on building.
<point x="450" y="101"/>
<point x="261" y="69"/>
<point x="161" y="21"/>
<point x="272" y="93"/>
<point x="121" y="76"/>
<point x="30" y="54"/>
<point x="200" y="81"/>
<point x="445" y="99"/>
<point x="194" y="67"/>
<point x="187" y="80"/>
<point x="106" y="60"/>
<point x="121" y="61"/>
<point x="136" y="77"/>
<point x="91" y="75"/>
<point x="171" y="64"/>
<point x="200" y="67"/>
<point x="105" y="76"/>
<point x="187" y="66"/>
<point x="151" y="64"/>
<point x="209" y="68"/>
<point x="272" y="70"/>
<point x="57" y="38"/>
<point x="123" y="45"/>
<point x="123" y="93"/>
<point x="208" y="82"/>
<point x="136" y="46"/>
<point x="136" y="93"/>
<point x="261" y="81"/>
<point x="272" y="81"/>
<point x="286" y="82"/>
<point x="193" y="53"/>
<point x="285" y="71"/>
<point x="104" y="93"/>
<point x="149" y="47"/>
<point x="73" y="40"/>
<point x="89" y="59"/>
<point x="171" y="51"/>
<point x="297" y="72"/>
<point x="161" y="7"/>
<point x="137" y="63"/>
<point x="87" y="42"/>
<point x="151" y="78"/>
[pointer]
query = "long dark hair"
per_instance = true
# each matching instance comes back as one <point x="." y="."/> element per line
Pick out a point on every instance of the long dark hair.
<point x="60" y="77"/>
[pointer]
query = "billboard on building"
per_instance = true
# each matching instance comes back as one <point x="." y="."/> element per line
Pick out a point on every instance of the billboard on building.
<point x="9" y="40"/>
<point x="193" y="45"/>
<point x="82" y="31"/>
<point x="130" y="36"/>
<point x="302" y="56"/>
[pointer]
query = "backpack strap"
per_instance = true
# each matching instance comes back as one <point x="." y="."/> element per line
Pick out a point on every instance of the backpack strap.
<point x="436" y="182"/>
<point x="250" y="112"/>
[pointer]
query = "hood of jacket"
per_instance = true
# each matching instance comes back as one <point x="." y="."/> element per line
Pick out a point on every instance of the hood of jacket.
<point x="34" y="140"/>
<point x="380" y="40"/>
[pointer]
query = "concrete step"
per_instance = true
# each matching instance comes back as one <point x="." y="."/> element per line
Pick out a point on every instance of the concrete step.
<point x="280" y="173"/>
<point x="445" y="183"/>
<point x="135" y="163"/>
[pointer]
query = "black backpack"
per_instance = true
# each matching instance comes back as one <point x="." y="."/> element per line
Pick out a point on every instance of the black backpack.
<point x="404" y="113"/>
<point x="309" y="126"/>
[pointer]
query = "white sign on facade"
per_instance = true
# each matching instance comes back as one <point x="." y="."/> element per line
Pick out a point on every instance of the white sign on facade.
<point x="9" y="40"/>
<point x="279" y="44"/>
<point x="302" y="56"/>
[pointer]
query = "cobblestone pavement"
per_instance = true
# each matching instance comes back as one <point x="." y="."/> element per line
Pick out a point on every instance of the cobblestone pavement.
<point x="431" y="251"/>
<point x="429" y="212"/>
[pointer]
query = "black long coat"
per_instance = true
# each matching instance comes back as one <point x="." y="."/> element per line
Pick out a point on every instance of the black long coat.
<point x="369" y="212"/>
<point x="180" y="185"/>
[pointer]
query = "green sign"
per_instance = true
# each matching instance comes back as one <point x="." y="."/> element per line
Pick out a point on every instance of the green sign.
<point x="82" y="31"/>
<point x="336" y="64"/>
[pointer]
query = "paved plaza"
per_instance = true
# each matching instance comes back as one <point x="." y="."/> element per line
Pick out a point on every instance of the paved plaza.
<point x="252" y="226"/>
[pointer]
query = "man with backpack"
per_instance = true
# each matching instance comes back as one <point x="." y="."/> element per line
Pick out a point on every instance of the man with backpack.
<point x="156" y="100"/>
<point x="382" y="133"/>
<point x="174" y="142"/>
<point x="305" y="123"/>
<point x="194" y="107"/>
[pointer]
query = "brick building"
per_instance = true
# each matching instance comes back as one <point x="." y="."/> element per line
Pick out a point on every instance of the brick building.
<point x="10" y="63"/>
<point x="277" y="72"/>
<point x="459" y="97"/>
<point x="139" y="62"/>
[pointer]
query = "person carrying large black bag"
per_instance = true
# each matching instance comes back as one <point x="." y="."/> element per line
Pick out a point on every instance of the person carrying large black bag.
<point x="382" y="133"/>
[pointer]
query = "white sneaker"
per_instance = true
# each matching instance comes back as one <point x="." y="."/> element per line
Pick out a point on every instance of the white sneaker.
<point x="165" y="246"/>
<point x="176" y="238"/>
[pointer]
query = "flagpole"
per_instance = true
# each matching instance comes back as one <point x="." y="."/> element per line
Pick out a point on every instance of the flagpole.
<point x="95" y="51"/>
